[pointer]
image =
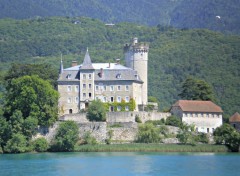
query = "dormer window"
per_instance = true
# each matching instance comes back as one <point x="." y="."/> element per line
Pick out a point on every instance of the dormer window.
<point x="118" y="76"/>
<point x="136" y="76"/>
<point x="69" y="76"/>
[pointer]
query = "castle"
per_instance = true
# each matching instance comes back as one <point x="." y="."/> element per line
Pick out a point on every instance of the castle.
<point x="108" y="82"/>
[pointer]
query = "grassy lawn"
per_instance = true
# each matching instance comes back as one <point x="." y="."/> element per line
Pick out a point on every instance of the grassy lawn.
<point x="136" y="147"/>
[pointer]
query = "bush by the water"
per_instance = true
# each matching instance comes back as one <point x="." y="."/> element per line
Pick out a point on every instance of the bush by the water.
<point x="66" y="137"/>
<point x="40" y="145"/>
<point x="228" y="136"/>
<point x="17" y="144"/>
<point x="89" y="139"/>
<point x="148" y="133"/>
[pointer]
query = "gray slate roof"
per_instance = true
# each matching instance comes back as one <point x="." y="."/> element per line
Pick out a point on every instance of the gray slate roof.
<point x="110" y="72"/>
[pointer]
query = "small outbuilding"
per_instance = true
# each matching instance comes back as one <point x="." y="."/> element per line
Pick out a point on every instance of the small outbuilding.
<point x="235" y="121"/>
<point x="205" y="115"/>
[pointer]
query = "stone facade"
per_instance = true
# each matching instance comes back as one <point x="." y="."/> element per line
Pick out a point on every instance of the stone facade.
<point x="108" y="82"/>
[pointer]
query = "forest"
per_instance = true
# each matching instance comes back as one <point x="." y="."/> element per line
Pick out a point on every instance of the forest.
<point x="218" y="15"/>
<point x="174" y="55"/>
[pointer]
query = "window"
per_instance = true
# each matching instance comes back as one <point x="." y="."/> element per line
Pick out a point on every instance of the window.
<point x="90" y="95"/>
<point x="126" y="99"/>
<point x="96" y="88"/>
<point x="112" y="99"/>
<point x="70" y="111"/>
<point x="104" y="88"/>
<point x="127" y="108"/>
<point x="111" y="88"/>
<point x="84" y="95"/>
<point x="118" y="88"/>
<point x="76" y="88"/>
<point x="119" y="108"/>
<point x="207" y="130"/>
<point x="111" y="108"/>
<point x="89" y="86"/>
<point x="197" y="129"/>
<point x="69" y="88"/>
<point x="118" y="99"/>
<point x="127" y="88"/>
<point x="212" y="129"/>
<point x="84" y="76"/>
<point x="207" y="115"/>
<point x="104" y="99"/>
<point x="84" y="86"/>
<point x="69" y="100"/>
<point x="76" y="99"/>
<point x="90" y="76"/>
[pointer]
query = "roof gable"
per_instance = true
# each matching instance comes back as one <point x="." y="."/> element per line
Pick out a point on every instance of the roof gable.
<point x="197" y="106"/>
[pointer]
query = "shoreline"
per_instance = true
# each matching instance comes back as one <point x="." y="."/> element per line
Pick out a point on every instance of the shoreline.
<point x="140" y="147"/>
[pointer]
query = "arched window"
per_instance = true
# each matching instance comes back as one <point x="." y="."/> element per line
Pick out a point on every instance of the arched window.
<point x="70" y="111"/>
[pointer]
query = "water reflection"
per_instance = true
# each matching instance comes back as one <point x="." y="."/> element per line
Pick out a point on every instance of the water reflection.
<point x="120" y="164"/>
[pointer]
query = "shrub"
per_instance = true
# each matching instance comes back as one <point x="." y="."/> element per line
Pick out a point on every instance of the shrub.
<point x="40" y="145"/>
<point x="227" y="135"/>
<point x="110" y="135"/>
<point x="156" y="122"/>
<point x="17" y="144"/>
<point x="96" y="111"/>
<point x="66" y="137"/>
<point x="148" y="133"/>
<point x="202" y="137"/>
<point x="137" y="119"/>
<point x="173" y="121"/>
<point x="89" y="139"/>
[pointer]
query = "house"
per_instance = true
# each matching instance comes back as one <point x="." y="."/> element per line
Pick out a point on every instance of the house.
<point x="109" y="82"/>
<point x="234" y="120"/>
<point x="205" y="115"/>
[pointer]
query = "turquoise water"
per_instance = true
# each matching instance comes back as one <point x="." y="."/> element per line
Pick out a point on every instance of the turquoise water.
<point x="131" y="163"/>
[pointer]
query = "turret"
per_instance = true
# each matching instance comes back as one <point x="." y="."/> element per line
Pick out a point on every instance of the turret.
<point x="136" y="57"/>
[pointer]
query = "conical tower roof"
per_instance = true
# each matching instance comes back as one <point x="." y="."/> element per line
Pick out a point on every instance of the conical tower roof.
<point x="87" y="63"/>
<point x="235" y="117"/>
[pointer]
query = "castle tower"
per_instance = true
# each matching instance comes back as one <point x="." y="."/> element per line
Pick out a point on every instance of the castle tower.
<point x="136" y="57"/>
<point x="86" y="82"/>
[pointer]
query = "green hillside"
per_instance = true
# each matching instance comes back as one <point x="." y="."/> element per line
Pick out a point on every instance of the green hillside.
<point x="174" y="54"/>
<point x="177" y="13"/>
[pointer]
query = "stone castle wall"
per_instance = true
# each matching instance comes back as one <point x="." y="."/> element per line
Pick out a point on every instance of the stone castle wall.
<point x="125" y="132"/>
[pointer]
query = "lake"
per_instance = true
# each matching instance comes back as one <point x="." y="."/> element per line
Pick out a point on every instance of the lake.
<point x="116" y="163"/>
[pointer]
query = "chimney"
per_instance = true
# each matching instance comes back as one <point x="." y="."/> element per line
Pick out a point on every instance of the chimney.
<point x="74" y="63"/>
<point x="117" y="61"/>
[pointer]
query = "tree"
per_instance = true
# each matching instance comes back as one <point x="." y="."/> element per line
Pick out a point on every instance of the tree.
<point x="195" y="89"/>
<point x="228" y="136"/>
<point x="96" y="111"/>
<point x="5" y="131"/>
<point x="148" y="133"/>
<point x="17" y="144"/>
<point x="66" y="137"/>
<point x="33" y="97"/>
<point x="44" y="71"/>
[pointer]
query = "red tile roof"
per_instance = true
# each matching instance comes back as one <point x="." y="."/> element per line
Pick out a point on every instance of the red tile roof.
<point x="235" y="117"/>
<point x="198" y="106"/>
